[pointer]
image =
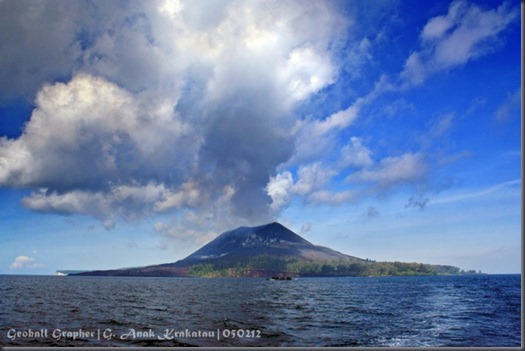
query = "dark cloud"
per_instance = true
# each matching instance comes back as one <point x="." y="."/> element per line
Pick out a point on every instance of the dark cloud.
<point x="372" y="212"/>
<point x="38" y="44"/>
<point x="305" y="228"/>
<point x="417" y="202"/>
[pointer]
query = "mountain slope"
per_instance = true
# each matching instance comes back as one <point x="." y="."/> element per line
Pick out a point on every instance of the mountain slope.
<point x="269" y="239"/>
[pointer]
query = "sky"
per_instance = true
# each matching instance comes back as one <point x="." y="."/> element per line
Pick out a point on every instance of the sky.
<point x="134" y="132"/>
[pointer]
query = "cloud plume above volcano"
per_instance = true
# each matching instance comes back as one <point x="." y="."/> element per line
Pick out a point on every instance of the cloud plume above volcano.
<point x="168" y="105"/>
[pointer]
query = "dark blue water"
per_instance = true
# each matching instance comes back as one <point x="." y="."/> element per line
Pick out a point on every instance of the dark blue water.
<point x="477" y="310"/>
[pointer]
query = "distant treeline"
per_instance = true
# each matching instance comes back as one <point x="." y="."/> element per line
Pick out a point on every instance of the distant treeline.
<point x="267" y="265"/>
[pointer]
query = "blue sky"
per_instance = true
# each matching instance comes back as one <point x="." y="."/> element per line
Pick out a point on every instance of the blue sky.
<point x="132" y="133"/>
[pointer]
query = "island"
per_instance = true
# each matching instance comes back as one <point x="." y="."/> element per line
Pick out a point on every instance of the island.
<point x="273" y="251"/>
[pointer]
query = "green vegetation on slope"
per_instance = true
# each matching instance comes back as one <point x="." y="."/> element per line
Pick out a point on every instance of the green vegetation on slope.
<point x="268" y="265"/>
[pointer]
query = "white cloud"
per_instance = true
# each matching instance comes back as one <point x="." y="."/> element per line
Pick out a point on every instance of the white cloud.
<point x="456" y="38"/>
<point x="128" y="201"/>
<point x="355" y="154"/>
<point x="510" y="108"/>
<point x="68" y="203"/>
<point x="357" y="55"/>
<point x="438" y="131"/>
<point x="312" y="181"/>
<point x="393" y="171"/>
<point x="415" y="71"/>
<point x="94" y="148"/>
<point x="279" y="188"/>
<point x="450" y="159"/>
<point x="306" y="72"/>
<point x="311" y="177"/>
<point x="330" y="197"/>
<point x="479" y="193"/>
<point x="325" y="131"/>
<point x="338" y="120"/>
<point x="24" y="262"/>
<point x="437" y="27"/>
<point x="88" y="133"/>
<point x="189" y="194"/>
<point x="442" y="125"/>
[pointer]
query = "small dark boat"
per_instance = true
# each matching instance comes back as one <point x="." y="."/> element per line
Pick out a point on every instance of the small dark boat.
<point x="281" y="278"/>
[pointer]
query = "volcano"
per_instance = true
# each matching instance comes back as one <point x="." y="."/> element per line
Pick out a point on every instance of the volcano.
<point x="258" y="249"/>
<point x="269" y="239"/>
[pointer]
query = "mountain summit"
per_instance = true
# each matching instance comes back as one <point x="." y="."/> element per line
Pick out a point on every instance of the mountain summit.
<point x="269" y="239"/>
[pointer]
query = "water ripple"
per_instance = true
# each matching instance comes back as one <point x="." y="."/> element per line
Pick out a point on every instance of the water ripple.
<point x="389" y="311"/>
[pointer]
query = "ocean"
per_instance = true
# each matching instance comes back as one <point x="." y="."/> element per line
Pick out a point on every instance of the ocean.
<point x="452" y="311"/>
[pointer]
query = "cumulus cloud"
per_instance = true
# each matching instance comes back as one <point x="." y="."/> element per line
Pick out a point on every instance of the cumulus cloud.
<point x="363" y="175"/>
<point x="310" y="184"/>
<point x="128" y="201"/>
<point x="164" y="105"/>
<point x="23" y="262"/>
<point x="278" y="188"/>
<point x="355" y="154"/>
<point x="456" y="38"/>
<point x="312" y="176"/>
<point x="393" y="171"/>
<point x="89" y="133"/>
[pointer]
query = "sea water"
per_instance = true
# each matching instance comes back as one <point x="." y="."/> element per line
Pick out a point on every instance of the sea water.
<point x="465" y="310"/>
